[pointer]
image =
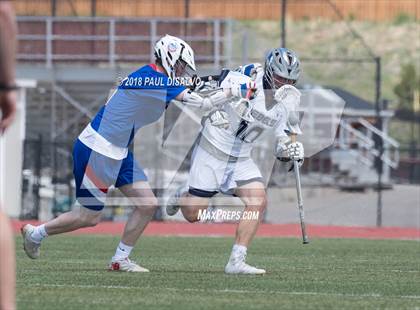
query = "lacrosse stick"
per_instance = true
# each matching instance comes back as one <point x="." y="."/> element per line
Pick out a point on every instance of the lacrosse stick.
<point x="293" y="120"/>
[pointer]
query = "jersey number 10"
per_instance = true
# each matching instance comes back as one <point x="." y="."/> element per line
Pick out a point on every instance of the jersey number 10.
<point x="246" y="133"/>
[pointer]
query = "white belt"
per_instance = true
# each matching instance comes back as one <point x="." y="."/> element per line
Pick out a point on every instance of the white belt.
<point x="92" y="139"/>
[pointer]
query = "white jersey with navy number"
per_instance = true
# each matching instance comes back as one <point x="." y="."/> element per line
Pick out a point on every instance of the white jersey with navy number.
<point x="141" y="99"/>
<point x="238" y="139"/>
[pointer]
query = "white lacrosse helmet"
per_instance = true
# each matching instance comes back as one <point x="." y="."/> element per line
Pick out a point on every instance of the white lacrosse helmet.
<point x="174" y="53"/>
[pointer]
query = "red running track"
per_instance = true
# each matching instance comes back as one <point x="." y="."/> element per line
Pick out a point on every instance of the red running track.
<point x="265" y="230"/>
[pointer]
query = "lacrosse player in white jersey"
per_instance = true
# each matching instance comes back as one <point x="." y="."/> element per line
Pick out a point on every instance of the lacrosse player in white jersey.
<point x="222" y="160"/>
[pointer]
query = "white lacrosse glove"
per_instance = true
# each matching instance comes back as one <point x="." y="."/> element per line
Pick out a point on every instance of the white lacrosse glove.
<point x="290" y="151"/>
<point x="243" y="108"/>
<point x="246" y="90"/>
<point x="219" y="119"/>
<point x="295" y="151"/>
<point x="255" y="71"/>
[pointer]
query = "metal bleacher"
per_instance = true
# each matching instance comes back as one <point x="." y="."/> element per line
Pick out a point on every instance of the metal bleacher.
<point x="111" y="41"/>
<point x="76" y="60"/>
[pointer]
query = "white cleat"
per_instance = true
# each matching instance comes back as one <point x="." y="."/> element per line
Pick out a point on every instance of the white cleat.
<point x="31" y="248"/>
<point x="237" y="265"/>
<point x="172" y="205"/>
<point x="125" y="265"/>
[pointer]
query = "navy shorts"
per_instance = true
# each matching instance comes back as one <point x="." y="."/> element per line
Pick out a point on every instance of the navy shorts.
<point x="94" y="173"/>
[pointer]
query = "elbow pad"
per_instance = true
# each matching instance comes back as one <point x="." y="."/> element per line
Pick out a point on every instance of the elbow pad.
<point x="208" y="102"/>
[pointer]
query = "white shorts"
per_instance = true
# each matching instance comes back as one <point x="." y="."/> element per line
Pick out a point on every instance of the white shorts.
<point x="210" y="175"/>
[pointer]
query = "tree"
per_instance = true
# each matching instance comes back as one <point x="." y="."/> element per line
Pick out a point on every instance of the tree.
<point x="405" y="89"/>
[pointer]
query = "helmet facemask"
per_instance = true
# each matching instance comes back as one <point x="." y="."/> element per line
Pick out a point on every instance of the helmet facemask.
<point x="182" y="69"/>
<point x="276" y="81"/>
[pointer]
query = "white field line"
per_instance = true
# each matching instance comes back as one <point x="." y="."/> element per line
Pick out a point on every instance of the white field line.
<point x="228" y="291"/>
<point x="405" y="271"/>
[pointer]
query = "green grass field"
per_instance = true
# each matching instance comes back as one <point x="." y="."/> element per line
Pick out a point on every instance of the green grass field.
<point x="187" y="273"/>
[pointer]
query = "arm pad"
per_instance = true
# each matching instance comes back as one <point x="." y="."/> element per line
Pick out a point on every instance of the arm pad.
<point x="196" y="100"/>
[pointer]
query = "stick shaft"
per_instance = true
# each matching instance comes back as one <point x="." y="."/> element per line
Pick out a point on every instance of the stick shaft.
<point x="207" y="78"/>
<point x="300" y="202"/>
<point x="299" y="197"/>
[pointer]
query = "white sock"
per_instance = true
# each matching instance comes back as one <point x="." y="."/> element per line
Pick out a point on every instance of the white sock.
<point x="122" y="252"/>
<point x="238" y="250"/>
<point x="39" y="234"/>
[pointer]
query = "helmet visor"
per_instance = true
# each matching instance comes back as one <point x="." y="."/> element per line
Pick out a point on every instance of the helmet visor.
<point x="181" y="69"/>
<point x="279" y="81"/>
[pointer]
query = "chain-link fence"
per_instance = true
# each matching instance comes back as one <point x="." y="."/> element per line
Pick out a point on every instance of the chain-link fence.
<point x="47" y="187"/>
